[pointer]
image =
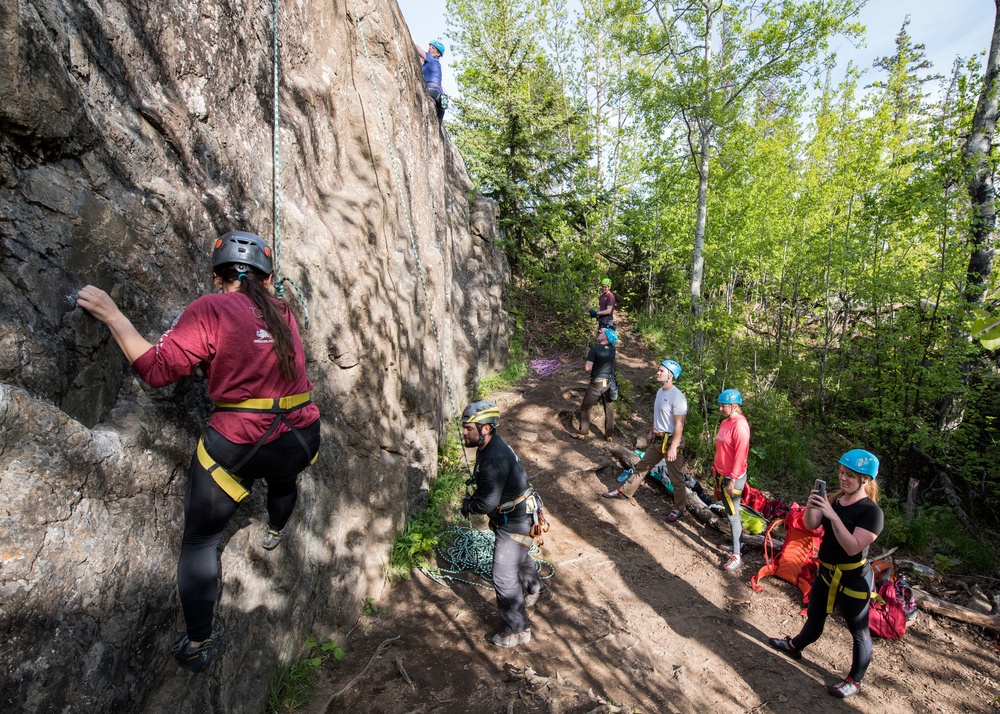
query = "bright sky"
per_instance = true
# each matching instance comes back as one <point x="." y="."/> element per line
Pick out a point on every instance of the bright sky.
<point x="946" y="27"/>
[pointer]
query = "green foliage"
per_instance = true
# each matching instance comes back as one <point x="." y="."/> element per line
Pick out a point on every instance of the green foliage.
<point x="293" y="685"/>
<point x="936" y="534"/>
<point x="625" y="404"/>
<point x="516" y="368"/>
<point x="417" y="540"/>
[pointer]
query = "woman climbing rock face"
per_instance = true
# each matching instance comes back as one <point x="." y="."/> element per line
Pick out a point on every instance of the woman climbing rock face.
<point x="264" y="425"/>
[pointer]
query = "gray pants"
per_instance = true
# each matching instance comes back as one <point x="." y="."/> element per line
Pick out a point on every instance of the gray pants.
<point x="514" y="573"/>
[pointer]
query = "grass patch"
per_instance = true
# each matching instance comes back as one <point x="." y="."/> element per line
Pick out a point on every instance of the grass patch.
<point x="415" y="543"/>
<point x="295" y="683"/>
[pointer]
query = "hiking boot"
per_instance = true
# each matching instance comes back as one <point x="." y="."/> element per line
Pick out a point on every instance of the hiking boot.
<point x="614" y="493"/>
<point x="512" y="639"/>
<point x="193" y="659"/>
<point x="674" y="515"/>
<point x="784" y="644"/>
<point x="272" y="538"/>
<point x="845" y="688"/>
<point x="733" y="563"/>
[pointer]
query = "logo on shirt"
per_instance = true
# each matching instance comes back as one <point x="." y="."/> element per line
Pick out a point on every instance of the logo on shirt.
<point x="263" y="337"/>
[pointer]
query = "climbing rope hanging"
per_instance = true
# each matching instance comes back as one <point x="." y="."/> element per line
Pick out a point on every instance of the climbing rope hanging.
<point x="409" y="228"/>
<point x="279" y="281"/>
<point x="472" y="551"/>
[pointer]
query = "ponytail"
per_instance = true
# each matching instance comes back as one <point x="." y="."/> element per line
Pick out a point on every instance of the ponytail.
<point x="252" y="285"/>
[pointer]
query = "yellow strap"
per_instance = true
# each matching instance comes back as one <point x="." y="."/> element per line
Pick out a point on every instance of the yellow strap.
<point x="268" y="405"/>
<point x="227" y="482"/>
<point x="836" y="587"/>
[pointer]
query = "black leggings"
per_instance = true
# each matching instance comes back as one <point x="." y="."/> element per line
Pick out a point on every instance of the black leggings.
<point x="854" y="610"/>
<point x="207" y="510"/>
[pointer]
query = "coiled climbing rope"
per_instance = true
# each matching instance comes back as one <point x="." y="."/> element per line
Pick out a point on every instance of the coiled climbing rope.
<point x="471" y="550"/>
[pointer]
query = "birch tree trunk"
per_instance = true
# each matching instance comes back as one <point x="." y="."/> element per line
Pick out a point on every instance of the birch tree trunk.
<point x="981" y="191"/>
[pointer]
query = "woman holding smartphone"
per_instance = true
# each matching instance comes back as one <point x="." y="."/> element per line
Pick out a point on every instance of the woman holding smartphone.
<point x="851" y="521"/>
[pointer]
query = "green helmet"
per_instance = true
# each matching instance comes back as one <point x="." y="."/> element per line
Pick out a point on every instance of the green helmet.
<point x="607" y="282"/>
<point x="481" y="413"/>
<point x="240" y="248"/>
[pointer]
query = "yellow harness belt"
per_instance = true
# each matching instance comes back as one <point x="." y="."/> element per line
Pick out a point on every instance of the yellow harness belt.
<point x="836" y="587"/>
<point x="226" y="479"/>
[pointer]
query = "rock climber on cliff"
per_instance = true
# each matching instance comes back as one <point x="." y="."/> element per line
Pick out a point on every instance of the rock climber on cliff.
<point x="264" y="424"/>
<point x="431" y="59"/>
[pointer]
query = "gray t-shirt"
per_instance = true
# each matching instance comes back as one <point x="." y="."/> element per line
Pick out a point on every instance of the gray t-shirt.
<point x="669" y="403"/>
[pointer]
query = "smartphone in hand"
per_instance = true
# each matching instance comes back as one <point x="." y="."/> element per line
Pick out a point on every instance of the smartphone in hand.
<point x="820" y="487"/>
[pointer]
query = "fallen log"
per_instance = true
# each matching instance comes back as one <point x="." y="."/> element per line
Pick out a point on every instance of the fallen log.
<point x="704" y="514"/>
<point x="936" y="606"/>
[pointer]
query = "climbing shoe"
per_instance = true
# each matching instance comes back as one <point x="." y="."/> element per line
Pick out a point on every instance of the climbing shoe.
<point x="784" y="644"/>
<point x="272" y="538"/>
<point x="193" y="659"/>
<point x="845" y="688"/>
<point x="674" y="515"/>
<point x="733" y="563"/>
<point x="614" y="493"/>
<point x="624" y="475"/>
<point x="512" y="639"/>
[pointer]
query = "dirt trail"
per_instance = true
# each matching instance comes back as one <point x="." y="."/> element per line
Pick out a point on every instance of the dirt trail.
<point x="641" y="615"/>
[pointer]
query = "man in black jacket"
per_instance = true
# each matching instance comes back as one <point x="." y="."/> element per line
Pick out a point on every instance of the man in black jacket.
<point x="504" y="494"/>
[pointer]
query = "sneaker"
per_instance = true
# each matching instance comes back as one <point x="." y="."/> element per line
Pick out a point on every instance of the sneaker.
<point x="512" y="639"/>
<point x="531" y="599"/>
<point x="614" y="493"/>
<point x="674" y="515"/>
<point x="845" y="688"/>
<point x="733" y="563"/>
<point x="272" y="538"/>
<point x="625" y="475"/>
<point x="784" y="644"/>
<point x="193" y="659"/>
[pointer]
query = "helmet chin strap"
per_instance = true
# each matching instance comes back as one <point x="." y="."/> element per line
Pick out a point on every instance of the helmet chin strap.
<point x="861" y="485"/>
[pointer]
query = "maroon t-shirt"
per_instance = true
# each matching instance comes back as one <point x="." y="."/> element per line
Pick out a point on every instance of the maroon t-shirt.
<point x="226" y="334"/>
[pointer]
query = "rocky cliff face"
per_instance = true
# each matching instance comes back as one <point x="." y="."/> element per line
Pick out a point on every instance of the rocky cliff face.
<point x="131" y="135"/>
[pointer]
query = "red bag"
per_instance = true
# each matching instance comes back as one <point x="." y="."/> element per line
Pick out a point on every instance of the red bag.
<point x="753" y="498"/>
<point x="796" y="562"/>
<point x="886" y="616"/>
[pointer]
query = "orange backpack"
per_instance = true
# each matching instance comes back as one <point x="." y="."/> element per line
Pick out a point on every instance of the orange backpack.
<point x="796" y="562"/>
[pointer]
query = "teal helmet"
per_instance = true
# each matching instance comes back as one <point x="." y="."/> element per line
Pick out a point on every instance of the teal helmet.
<point x="731" y="396"/>
<point x="862" y="462"/>
<point x="481" y="413"/>
<point x="611" y="335"/>
<point x="675" y="369"/>
<point x="438" y="45"/>
<point x="241" y="249"/>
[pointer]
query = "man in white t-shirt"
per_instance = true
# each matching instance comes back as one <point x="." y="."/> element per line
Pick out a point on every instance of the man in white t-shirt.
<point x="665" y="439"/>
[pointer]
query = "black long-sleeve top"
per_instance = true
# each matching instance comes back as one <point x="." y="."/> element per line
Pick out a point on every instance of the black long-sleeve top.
<point x="500" y="477"/>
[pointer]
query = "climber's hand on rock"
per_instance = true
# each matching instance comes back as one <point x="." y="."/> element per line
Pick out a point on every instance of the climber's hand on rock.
<point x="98" y="303"/>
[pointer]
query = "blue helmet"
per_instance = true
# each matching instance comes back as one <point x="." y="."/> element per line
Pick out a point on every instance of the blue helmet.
<point x="731" y="396"/>
<point x="438" y="45"/>
<point x="675" y="369"/>
<point x="611" y="335"/>
<point x="861" y="461"/>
